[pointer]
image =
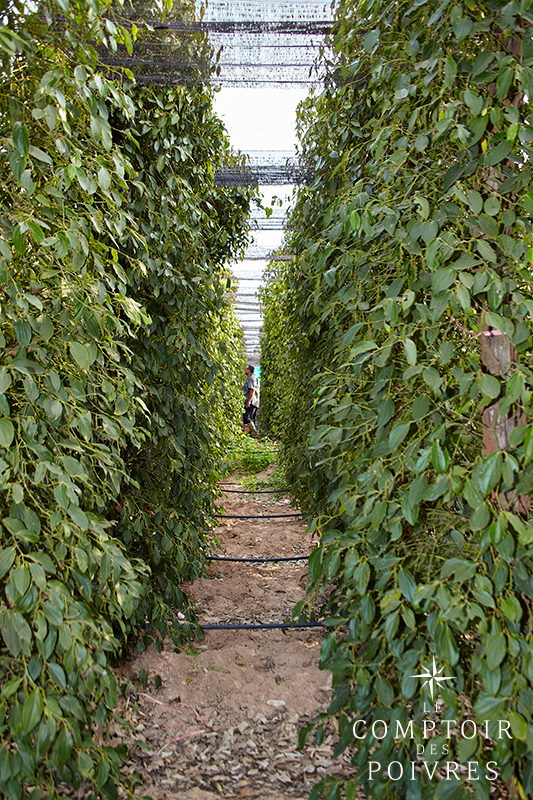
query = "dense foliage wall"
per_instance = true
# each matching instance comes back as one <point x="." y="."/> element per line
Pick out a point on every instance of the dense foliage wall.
<point x="115" y="340"/>
<point x="405" y="322"/>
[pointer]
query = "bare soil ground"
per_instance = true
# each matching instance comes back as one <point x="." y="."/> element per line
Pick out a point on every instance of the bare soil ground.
<point x="225" y="720"/>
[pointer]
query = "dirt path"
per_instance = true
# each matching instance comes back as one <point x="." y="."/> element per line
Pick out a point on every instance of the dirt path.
<point x="224" y="722"/>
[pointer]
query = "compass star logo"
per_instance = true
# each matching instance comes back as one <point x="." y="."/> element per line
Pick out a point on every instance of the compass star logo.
<point x="432" y="678"/>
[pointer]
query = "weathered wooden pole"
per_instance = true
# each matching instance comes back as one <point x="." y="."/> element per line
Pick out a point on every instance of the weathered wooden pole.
<point x="498" y="357"/>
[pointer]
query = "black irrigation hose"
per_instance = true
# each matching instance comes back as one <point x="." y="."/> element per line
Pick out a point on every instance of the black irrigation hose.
<point x="257" y="560"/>
<point x="261" y="626"/>
<point x="252" y="516"/>
<point x="257" y="491"/>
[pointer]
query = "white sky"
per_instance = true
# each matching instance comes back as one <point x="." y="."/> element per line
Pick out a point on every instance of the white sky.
<point x="260" y="118"/>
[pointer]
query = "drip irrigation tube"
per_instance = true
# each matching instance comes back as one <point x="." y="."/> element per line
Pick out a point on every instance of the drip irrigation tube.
<point x="257" y="560"/>
<point x="261" y="626"/>
<point x="256" y="491"/>
<point x="252" y="516"/>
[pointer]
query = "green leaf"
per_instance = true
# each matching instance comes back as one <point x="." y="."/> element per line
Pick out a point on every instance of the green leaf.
<point x="361" y="577"/>
<point x="38" y="575"/>
<point x="26" y="366"/>
<point x="40" y="155"/>
<point x="432" y="378"/>
<point x="496" y="154"/>
<point x="370" y="40"/>
<point x="475" y="201"/>
<point x="420" y="407"/>
<point x="5" y="250"/>
<point x="46" y="329"/>
<point x="57" y="673"/>
<point x="15" y="631"/>
<point x="35" y="229"/>
<point x="398" y="434"/>
<point x="7" y="432"/>
<point x="448" y="647"/>
<point x="488" y="225"/>
<point x="44" y="560"/>
<point x="462" y="28"/>
<point x="515" y="387"/>
<point x="451" y="176"/>
<point x="7" y="558"/>
<point x="467" y="748"/>
<point x="384" y="691"/>
<point x="480" y="518"/>
<point x="410" y="351"/>
<point x="21" y="139"/>
<point x="379" y="512"/>
<point x="463" y="295"/>
<point x="386" y="411"/>
<point x="5" y="380"/>
<point x="438" y="458"/>
<point x="482" y="62"/>
<point x="485" y="251"/>
<point x="330" y="276"/>
<point x="477" y="125"/>
<point x="518" y="725"/>
<point x="27" y="182"/>
<point x="442" y="279"/>
<point x="446" y="351"/>
<point x="104" y="179"/>
<point x="421" y="142"/>
<point x="362" y="347"/>
<point x="391" y="625"/>
<point x="78" y="517"/>
<point x="355" y="221"/>
<point x="315" y="562"/>
<point x="450" y="72"/>
<point x="18" y="164"/>
<point x="23" y="333"/>
<point x="85" y="764"/>
<point x="417" y="490"/>
<point x="504" y="81"/>
<point x="428" y="231"/>
<point x="64" y="744"/>
<point x="46" y="735"/>
<point x="407" y="584"/>
<point x="80" y="354"/>
<point x="474" y="102"/>
<point x="527" y="43"/>
<point x="32" y="711"/>
<point x="490" y="386"/>
<point x="492" y="206"/>
<point x="10" y="687"/>
<point x="21" y="578"/>
<point x="52" y="614"/>
<point x="463" y="569"/>
<point x="495" y="650"/>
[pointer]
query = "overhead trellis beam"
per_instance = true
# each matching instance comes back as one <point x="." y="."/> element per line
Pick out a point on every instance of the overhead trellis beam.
<point x="294" y="27"/>
<point x="170" y="80"/>
<point x="263" y="176"/>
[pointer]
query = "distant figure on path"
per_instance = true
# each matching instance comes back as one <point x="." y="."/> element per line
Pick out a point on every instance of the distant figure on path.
<point x="251" y="400"/>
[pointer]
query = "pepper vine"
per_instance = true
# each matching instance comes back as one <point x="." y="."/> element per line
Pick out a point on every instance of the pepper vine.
<point x="115" y="343"/>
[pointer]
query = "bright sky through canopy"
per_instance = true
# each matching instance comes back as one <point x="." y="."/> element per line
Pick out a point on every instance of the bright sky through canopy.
<point x="260" y="118"/>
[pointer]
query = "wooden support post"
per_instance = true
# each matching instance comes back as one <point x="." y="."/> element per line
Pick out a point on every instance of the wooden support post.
<point x="498" y="356"/>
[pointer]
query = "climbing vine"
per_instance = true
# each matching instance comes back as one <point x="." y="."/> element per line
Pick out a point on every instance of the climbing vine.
<point x="407" y="323"/>
<point x="114" y="339"/>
